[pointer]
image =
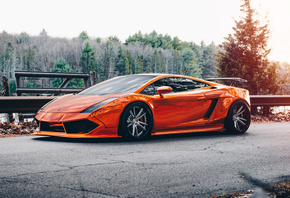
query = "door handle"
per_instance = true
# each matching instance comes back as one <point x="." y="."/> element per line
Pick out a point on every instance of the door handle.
<point x="201" y="98"/>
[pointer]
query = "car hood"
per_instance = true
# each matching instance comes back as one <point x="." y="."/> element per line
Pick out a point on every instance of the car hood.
<point x="76" y="103"/>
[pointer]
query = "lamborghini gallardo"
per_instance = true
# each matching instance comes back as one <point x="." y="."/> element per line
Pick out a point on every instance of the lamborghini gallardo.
<point x="138" y="106"/>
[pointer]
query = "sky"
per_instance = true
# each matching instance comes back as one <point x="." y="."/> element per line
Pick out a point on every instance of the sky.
<point x="189" y="20"/>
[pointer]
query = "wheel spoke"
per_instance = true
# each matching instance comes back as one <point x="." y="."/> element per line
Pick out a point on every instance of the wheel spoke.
<point x="138" y="118"/>
<point x="141" y="126"/>
<point x="143" y="123"/>
<point x="130" y="124"/>
<point x="240" y="109"/>
<point x="237" y="114"/>
<point x="240" y="121"/>
<point x="236" y="124"/>
<point x="133" y="131"/>
<point x="134" y="111"/>
<point x="132" y="114"/>
<point x="141" y="110"/>
<point x="243" y="119"/>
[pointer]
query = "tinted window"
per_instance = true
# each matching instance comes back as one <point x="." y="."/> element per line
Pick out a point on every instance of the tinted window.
<point x="178" y="84"/>
<point x="184" y="84"/>
<point x="149" y="90"/>
<point x="121" y="84"/>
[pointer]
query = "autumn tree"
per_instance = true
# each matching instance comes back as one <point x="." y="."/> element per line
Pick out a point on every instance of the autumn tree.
<point x="244" y="54"/>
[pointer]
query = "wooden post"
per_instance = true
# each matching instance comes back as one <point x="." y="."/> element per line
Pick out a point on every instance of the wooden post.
<point x="266" y="110"/>
<point x="254" y="110"/>
<point x="93" y="77"/>
<point x="18" y="84"/>
<point x="6" y="92"/>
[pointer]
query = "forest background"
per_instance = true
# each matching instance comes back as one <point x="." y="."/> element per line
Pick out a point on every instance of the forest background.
<point x="109" y="57"/>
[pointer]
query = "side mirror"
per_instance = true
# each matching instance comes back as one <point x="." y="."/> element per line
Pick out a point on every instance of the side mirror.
<point x="163" y="90"/>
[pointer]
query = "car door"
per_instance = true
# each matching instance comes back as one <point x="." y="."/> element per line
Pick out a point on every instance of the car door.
<point x="184" y="107"/>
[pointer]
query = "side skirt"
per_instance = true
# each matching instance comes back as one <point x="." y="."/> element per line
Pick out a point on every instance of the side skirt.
<point x="216" y="127"/>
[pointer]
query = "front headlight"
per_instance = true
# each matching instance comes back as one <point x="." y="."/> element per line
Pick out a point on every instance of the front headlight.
<point x="98" y="105"/>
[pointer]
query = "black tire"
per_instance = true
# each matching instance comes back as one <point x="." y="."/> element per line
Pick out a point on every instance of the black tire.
<point x="238" y="119"/>
<point x="136" y="121"/>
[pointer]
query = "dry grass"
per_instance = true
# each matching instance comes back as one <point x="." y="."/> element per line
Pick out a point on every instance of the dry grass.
<point x="23" y="128"/>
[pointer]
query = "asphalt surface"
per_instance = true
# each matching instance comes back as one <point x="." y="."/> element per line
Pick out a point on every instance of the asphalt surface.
<point x="191" y="165"/>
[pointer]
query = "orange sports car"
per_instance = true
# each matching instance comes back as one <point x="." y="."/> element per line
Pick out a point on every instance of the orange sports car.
<point x="137" y="106"/>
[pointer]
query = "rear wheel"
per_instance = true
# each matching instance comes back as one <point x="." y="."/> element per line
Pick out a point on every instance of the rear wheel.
<point x="136" y="121"/>
<point x="239" y="117"/>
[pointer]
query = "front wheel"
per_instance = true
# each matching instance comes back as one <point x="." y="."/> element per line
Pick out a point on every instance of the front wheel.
<point x="239" y="117"/>
<point x="136" y="121"/>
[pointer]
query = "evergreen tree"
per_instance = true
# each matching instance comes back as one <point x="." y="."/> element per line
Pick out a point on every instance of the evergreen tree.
<point x="137" y="37"/>
<point x="7" y="60"/>
<point x="177" y="62"/>
<point x="138" y="65"/>
<point x="88" y="58"/>
<point x="28" y="58"/>
<point x="84" y="35"/>
<point x="114" y="39"/>
<point x="176" y="43"/>
<point x="100" y="73"/>
<point x="128" y="62"/>
<point x="110" y="62"/>
<point x="207" y="61"/>
<point x="244" y="54"/>
<point x="190" y="66"/>
<point x="62" y="66"/>
<point x="111" y="65"/>
<point x="155" y="40"/>
<point x="157" y="62"/>
<point x="121" y="61"/>
<point x="98" y="40"/>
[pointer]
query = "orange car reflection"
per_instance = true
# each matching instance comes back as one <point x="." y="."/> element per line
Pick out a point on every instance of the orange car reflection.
<point x="137" y="106"/>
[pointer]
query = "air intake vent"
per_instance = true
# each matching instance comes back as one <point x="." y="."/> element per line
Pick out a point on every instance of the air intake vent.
<point x="79" y="127"/>
<point x="51" y="127"/>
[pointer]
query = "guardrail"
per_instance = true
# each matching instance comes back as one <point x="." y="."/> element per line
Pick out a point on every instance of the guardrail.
<point x="270" y="100"/>
<point x="29" y="104"/>
<point x="267" y="101"/>
<point x="23" y="104"/>
<point x="61" y="89"/>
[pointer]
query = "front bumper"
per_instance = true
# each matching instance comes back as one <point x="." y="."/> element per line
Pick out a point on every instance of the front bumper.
<point x="73" y="125"/>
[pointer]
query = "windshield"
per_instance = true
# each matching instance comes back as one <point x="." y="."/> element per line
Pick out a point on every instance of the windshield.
<point x="121" y="84"/>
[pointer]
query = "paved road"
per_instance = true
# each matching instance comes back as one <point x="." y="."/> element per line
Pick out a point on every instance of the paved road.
<point x="191" y="165"/>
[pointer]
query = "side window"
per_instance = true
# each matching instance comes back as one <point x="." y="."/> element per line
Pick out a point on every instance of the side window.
<point x="178" y="84"/>
<point x="185" y="84"/>
<point x="152" y="88"/>
<point x="149" y="90"/>
<point x="160" y="83"/>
